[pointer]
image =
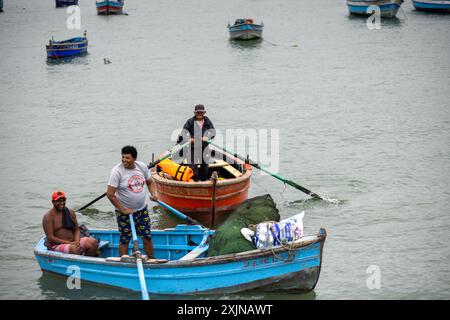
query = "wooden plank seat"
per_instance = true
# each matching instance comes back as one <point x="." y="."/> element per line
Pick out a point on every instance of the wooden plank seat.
<point x="132" y="259"/>
<point x="223" y="164"/>
<point x="201" y="248"/>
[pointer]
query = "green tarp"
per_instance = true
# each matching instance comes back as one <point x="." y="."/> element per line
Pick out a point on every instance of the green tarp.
<point x="228" y="237"/>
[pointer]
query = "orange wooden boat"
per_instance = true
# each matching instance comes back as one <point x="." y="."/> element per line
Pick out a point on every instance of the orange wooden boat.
<point x="195" y="198"/>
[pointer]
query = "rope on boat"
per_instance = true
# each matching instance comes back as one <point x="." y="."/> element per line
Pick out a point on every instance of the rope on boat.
<point x="284" y="244"/>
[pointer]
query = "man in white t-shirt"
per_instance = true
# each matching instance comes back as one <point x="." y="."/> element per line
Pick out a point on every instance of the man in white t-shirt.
<point x="127" y="192"/>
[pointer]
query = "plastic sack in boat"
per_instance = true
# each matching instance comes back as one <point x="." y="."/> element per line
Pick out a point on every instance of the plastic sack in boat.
<point x="273" y="233"/>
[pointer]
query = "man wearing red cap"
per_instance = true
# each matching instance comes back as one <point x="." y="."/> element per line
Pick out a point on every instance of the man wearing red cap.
<point x="62" y="231"/>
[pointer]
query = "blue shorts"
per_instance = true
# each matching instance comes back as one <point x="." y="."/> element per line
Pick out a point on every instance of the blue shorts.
<point x="141" y="222"/>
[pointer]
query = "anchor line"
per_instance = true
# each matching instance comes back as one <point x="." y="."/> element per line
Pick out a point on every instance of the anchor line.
<point x="254" y="181"/>
<point x="287" y="247"/>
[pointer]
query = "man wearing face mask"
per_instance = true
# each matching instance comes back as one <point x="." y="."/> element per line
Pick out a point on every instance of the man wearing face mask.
<point x="198" y="130"/>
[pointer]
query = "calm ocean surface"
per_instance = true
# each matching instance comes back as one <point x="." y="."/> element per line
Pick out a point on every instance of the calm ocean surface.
<point x="363" y="116"/>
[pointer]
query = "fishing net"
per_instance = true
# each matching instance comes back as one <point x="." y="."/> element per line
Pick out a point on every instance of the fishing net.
<point x="228" y="237"/>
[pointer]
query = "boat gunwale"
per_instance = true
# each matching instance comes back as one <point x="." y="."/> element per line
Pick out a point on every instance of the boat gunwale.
<point x="205" y="184"/>
<point x="246" y="30"/>
<point x="66" y="43"/>
<point x="67" y="49"/>
<point x="200" y="184"/>
<point x="247" y="24"/>
<point x="233" y="257"/>
<point x="366" y="3"/>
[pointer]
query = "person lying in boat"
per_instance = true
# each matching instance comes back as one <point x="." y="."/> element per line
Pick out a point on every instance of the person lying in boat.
<point x="62" y="230"/>
<point x="198" y="130"/>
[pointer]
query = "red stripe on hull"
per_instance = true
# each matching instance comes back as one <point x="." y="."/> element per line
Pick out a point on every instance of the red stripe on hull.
<point x="109" y="10"/>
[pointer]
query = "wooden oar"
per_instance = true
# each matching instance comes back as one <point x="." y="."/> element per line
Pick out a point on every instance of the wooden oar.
<point x="137" y="254"/>
<point x="179" y="214"/>
<point x="277" y="176"/>
<point x="151" y="165"/>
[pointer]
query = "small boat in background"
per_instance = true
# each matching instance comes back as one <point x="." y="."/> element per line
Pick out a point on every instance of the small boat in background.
<point x="245" y="29"/>
<point x="432" y="5"/>
<point x="182" y="267"/>
<point x="66" y="3"/>
<point x="67" y="48"/>
<point x="1" y="5"/>
<point x="107" y="7"/>
<point x="388" y="8"/>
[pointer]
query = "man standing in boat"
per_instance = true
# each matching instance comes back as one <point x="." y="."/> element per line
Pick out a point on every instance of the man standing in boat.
<point x="127" y="192"/>
<point x="62" y="230"/>
<point x="198" y="130"/>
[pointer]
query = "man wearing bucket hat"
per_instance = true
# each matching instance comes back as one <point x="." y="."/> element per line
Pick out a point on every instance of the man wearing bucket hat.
<point x="62" y="230"/>
<point x="198" y="130"/>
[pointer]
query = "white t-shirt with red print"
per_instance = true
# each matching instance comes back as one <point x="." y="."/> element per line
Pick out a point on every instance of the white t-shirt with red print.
<point x="131" y="185"/>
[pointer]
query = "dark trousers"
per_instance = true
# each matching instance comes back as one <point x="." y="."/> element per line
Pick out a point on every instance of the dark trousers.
<point x="199" y="165"/>
<point x="201" y="172"/>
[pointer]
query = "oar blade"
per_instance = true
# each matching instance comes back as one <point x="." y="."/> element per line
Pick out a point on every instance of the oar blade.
<point x="277" y="176"/>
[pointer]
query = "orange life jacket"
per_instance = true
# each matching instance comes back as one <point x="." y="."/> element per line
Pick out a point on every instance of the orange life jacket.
<point x="178" y="172"/>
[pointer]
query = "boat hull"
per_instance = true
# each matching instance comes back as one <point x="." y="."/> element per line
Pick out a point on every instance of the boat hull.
<point x="294" y="269"/>
<point x="67" y="49"/>
<point x="109" y="7"/>
<point x="245" y="31"/>
<point x="388" y="8"/>
<point x="432" y="5"/>
<point x="195" y="198"/>
<point x="65" y="3"/>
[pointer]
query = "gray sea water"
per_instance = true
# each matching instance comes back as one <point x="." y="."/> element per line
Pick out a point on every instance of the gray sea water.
<point x="363" y="116"/>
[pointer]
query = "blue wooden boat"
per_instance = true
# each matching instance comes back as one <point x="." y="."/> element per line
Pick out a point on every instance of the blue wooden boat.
<point x="107" y="7"/>
<point x="66" y="3"/>
<point x="432" y="5"/>
<point x="67" y="48"/>
<point x="388" y="8"/>
<point x="182" y="268"/>
<point x="1" y="5"/>
<point x="245" y="29"/>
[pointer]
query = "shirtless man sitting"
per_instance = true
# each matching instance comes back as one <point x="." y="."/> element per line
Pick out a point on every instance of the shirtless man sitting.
<point x="62" y="231"/>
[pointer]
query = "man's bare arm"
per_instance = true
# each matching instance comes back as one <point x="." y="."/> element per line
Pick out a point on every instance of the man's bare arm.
<point x="111" y="194"/>
<point x="152" y="189"/>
